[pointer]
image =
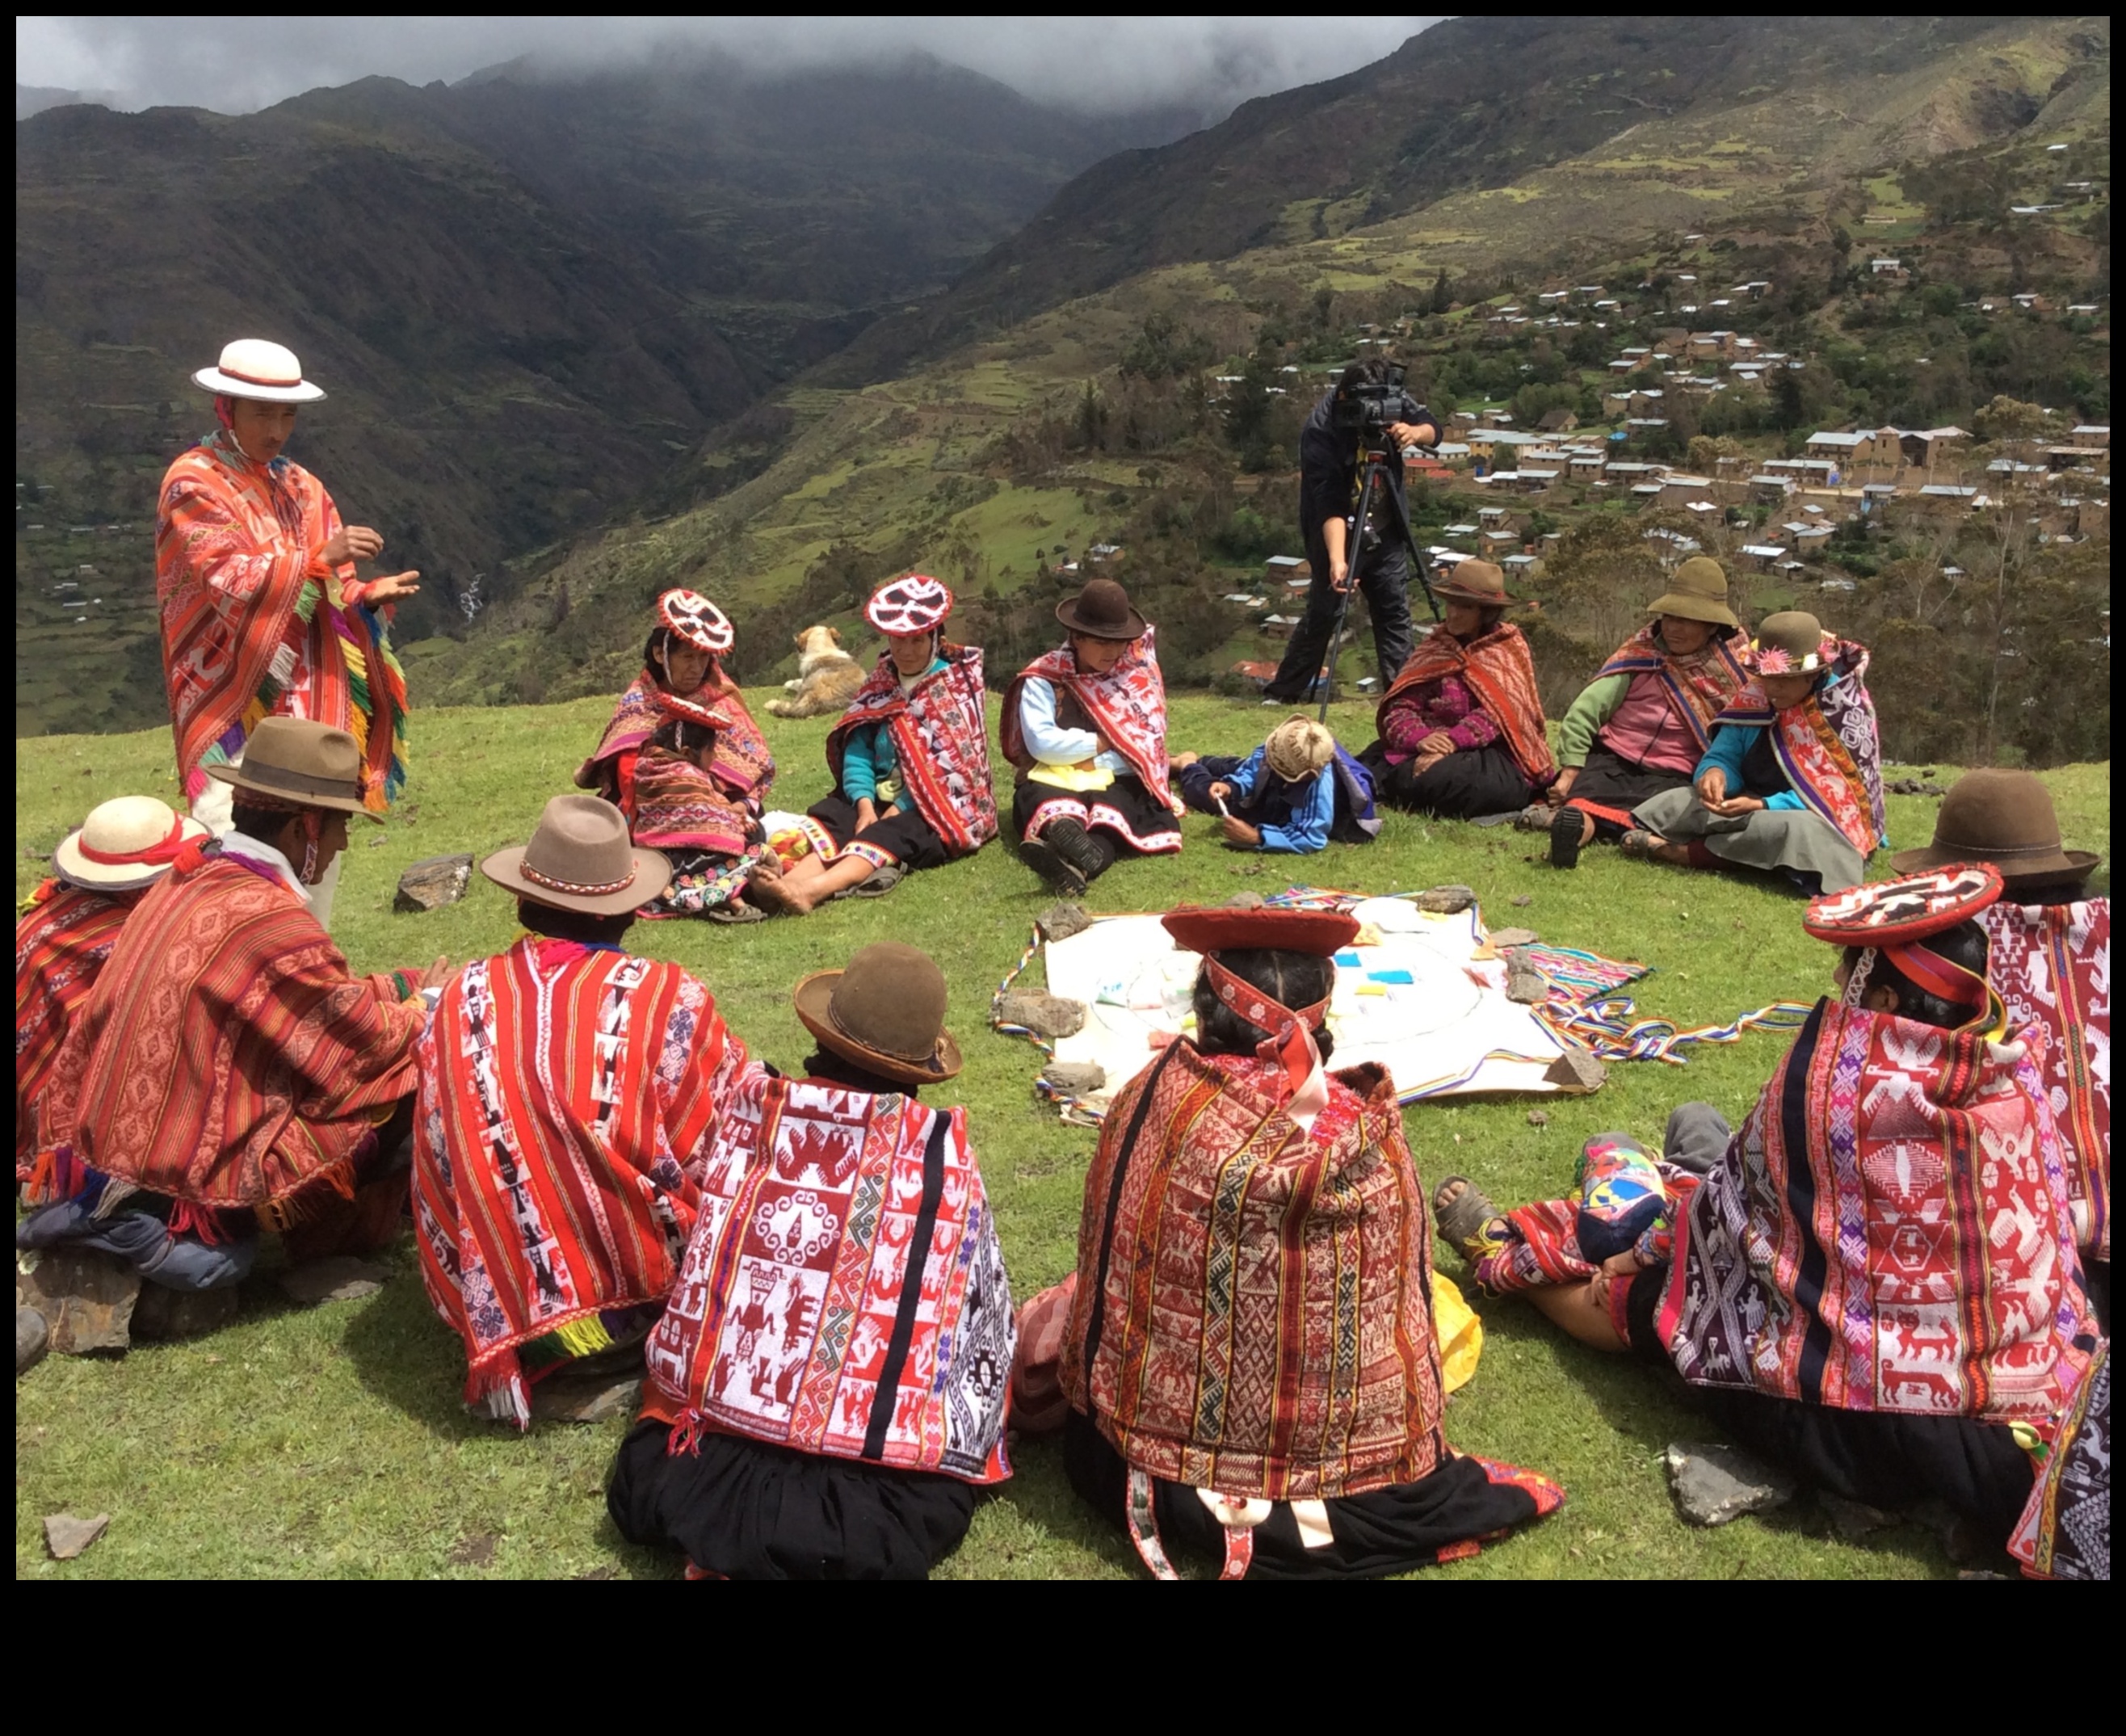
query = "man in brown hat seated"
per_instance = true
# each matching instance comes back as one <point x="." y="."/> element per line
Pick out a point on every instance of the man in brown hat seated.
<point x="2050" y="962"/>
<point x="827" y="1388"/>
<point x="1792" y="780"/>
<point x="228" y="1073"/>
<point x="64" y="938"/>
<point x="1640" y="726"/>
<point x="569" y="1091"/>
<point x="1461" y="725"/>
<point x="1085" y="726"/>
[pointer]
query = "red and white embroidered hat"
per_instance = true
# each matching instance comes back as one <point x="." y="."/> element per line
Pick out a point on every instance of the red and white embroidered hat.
<point x="1320" y="934"/>
<point x="914" y="604"/>
<point x="125" y="843"/>
<point x="251" y="367"/>
<point x="1896" y="912"/>
<point x="698" y="620"/>
<point x="691" y="711"/>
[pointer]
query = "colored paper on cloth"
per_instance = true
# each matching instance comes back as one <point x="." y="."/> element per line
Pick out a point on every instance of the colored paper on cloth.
<point x="1423" y="999"/>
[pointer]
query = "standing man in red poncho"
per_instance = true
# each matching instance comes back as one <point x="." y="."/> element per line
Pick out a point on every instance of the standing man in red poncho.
<point x="262" y="615"/>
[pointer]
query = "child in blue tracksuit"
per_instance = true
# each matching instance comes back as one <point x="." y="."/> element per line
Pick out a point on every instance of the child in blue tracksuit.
<point x="1283" y="796"/>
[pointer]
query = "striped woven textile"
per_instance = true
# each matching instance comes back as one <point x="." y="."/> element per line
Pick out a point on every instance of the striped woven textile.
<point x="1127" y="705"/>
<point x="61" y="942"/>
<point x="254" y="623"/>
<point x="1254" y="1305"/>
<point x="568" y="1094"/>
<point x="941" y="737"/>
<point x="1890" y="1232"/>
<point x="1502" y="674"/>
<point x="226" y="1057"/>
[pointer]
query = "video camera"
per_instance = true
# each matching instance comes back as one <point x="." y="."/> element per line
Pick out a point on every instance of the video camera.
<point x="1362" y="411"/>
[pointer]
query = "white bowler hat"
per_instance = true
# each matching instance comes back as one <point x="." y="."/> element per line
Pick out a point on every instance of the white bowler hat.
<point x="125" y="843"/>
<point x="251" y="367"/>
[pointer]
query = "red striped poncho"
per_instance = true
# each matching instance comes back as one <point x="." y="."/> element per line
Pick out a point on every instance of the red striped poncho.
<point x="61" y="942"/>
<point x="1254" y="1307"/>
<point x="1127" y="705"/>
<point x="941" y="738"/>
<point x="256" y="624"/>
<point x="1890" y="1230"/>
<point x="844" y="1293"/>
<point x="1499" y="670"/>
<point x="568" y="1095"/>
<point x="226" y="1057"/>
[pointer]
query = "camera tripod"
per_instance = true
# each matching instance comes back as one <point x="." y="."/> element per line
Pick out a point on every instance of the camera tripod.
<point x="1377" y="500"/>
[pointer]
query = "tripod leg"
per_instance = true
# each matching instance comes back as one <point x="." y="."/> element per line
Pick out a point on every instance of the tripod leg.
<point x="1357" y="548"/>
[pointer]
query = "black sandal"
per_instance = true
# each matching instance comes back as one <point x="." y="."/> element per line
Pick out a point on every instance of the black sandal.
<point x="1565" y="845"/>
<point x="1463" y="1220"/>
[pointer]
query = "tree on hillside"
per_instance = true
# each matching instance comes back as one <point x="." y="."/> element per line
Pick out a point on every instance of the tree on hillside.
<point x="1442" y="302"/>
<point x="1162" y="351"/>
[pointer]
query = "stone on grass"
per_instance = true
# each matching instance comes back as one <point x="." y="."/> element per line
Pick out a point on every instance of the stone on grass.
<point x="336" y="1278"/>
<point x="1576" y="1072"/>
<point x="1522" y="901"/>
<point x="1060" y="921"/>
<point x="1045" y="1015"/>
<point x="1524" y="983"/>
<point x="1503" y="939"/>
<point x="1074" y="1078"/>
<point x="1245" y="902"/>
<point x="1538" y="1117"/>
<point x="1714" y="1483"/>
<point x="33" y="1337"/>
<point x="1445" y="901"/>
<point x="66" y="1536"/>
<point x="164" y="1314"/>
<point x="558" y="1398"/>
<point x="87" y="1299"/>
<point x="433" y="882"/>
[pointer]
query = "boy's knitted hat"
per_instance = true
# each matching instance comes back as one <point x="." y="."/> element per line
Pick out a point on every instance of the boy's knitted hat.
<point x="1298" y="748"/>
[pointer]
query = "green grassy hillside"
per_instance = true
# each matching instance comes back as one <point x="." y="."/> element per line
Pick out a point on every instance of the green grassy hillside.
<point x="332" y="1442"/>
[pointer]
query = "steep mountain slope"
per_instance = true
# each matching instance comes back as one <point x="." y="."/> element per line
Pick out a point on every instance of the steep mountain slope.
<point x="526" y="296"/>
<point x="1474" y="102"/>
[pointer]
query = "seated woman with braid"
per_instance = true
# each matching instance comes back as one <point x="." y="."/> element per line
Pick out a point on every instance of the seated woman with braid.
<point x="1250" y="1366"/>
<point x="1791" y="782"/>
<point x="684" y="761"/>
<point x="910" y="759"/>
<point x="1461" y="726"/>
<point x="1875" y="1284"/>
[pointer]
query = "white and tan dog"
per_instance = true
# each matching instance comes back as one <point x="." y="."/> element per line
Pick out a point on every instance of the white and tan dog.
<point x="828" y="677"/>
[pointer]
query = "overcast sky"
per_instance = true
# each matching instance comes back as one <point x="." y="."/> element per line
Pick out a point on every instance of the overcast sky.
<point x="237" y="64"/>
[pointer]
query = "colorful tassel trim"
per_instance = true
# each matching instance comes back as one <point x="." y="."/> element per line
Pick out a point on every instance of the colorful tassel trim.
<point x="499" y="1392"/>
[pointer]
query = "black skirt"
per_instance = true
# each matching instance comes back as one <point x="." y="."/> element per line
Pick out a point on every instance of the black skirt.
<point x="1463" y="786"/>
<point x="1390" y="1530"/>
<point x="903" y="834"/>
<point x="1883" y="1459"/>
<point x="1126" y="810"/>
<point x="749" y="1511"/>
<point x="1610" y="787"/>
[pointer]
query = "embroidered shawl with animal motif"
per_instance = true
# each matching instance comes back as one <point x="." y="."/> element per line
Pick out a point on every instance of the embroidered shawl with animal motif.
<point x="2051" y="966"/>
<point x="255" y="623"/>
<point x="1827" y="745"/>
<point x="568" y="1094"/>
<point x="1253" y="1313"/>
<point x="61" y="942"/>
<point x="941" y="739"/>
<point x="845" y="1291"/>
<point x="1496" y="665"/>
<point x="226" y="1056"/>
<point x="1127" y="705"/>
<point x="1889" y="1231"/>
<point x="1699" y="688"/>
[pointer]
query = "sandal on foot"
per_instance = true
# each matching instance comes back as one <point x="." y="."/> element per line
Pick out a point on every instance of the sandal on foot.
<point x="1565" y="830"/>
<point x="876" y="884"/>
<point x="1062" y="875"/>
<point x="734" y="912"/>
<point x="1464" y="1220"/>
<point x="1638" y="843"/>
<point x="1535" y="817"/>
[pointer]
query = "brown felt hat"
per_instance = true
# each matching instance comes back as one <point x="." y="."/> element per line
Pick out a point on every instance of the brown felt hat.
<point x="1475" y="581"/>
<point x="580" y="859"/>
<point x="885" y="1012"/>
<point x="295" y="762"/>
<point x="1102" y="610"/>
<point x="2003" y="817"/>
<point x="1789" y="643"/>
<point x="1697" y="592"/>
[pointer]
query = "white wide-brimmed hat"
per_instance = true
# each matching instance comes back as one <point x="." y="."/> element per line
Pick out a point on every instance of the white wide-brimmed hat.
<point x="251" y="367"/>
<point x="125" y="843"/>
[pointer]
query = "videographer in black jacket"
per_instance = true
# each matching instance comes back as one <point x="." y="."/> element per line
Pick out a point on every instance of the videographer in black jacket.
<point x="1329" y="470"/>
